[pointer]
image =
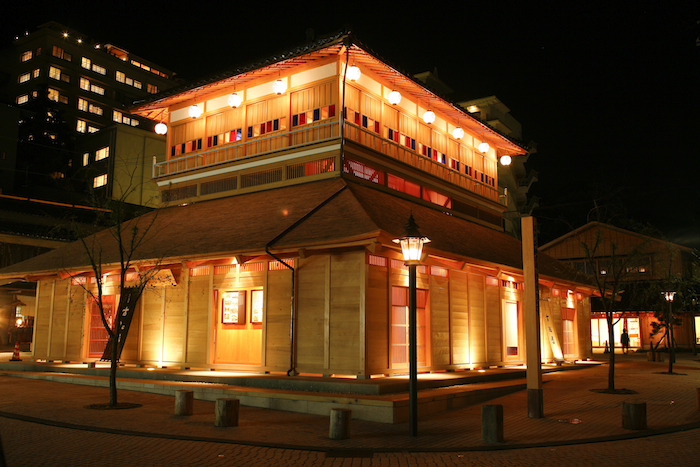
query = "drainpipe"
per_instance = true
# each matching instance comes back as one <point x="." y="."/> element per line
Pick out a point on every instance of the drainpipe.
<point x="292" y="317"/>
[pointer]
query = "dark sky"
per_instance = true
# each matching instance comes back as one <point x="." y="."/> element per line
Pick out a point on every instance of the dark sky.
<point x="610" y="93"/>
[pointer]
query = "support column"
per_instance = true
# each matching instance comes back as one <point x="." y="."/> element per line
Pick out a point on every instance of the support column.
<point x="531" y="316"/>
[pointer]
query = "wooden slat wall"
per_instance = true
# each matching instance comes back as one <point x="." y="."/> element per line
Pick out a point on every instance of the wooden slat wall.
<point x="42" y="319"/>
<point x="440" y="320"/>
<point x="377" y="319"/>
<point x="58" y="326"/>
<point x="583" y="326"/>
<point x="495" y="324"/>
<point x="346" y="298"/>
<point x="459" y="317"/>
<point x="311" y="314"/>
<point x="477" y="289"/>
<point x="174" y="320"/>
<point x="76" y="323"/>
<point x="151" y="341"/>
<point x="278" y="300"/>
<point x="198" y="314"/>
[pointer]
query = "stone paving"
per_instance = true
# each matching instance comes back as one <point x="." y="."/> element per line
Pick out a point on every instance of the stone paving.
<point x="46" y="420"/>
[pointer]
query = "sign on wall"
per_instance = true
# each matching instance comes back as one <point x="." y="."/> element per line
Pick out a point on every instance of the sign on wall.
<point x="256" y="312"/>
<point x="233" y="308"/>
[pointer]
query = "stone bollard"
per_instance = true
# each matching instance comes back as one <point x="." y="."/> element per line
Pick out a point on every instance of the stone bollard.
<point x="226" y="412"/>
<point x="340" y="424"/>
<point x="634" y="415"/>
<point x="492" y="423"/>
<point x="184" y="402"/>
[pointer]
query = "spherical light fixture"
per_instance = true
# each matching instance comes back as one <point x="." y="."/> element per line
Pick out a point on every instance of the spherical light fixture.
<point x="506" y="160"/>
<point x="194" y="111"/>
<point x="354" y="73"/>
<point x="394" y="97"/>
<point x="161" y="128"/>
<point x="458" y="133"/>
<point x="279" y="87"/>
<point x="484" y="147"/>
<point x="429" y="117"/>
<point x="234" y="100"/>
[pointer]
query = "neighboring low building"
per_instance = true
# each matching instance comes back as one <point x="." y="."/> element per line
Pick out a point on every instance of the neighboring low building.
<point x="284" y="186"/>
<point x="652" y="261"/>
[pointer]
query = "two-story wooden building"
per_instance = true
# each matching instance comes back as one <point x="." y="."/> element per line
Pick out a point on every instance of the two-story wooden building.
<point x="283" y="186"/>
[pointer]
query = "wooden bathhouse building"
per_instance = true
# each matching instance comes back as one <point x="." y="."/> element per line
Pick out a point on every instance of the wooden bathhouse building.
<point x="283" y="187"/>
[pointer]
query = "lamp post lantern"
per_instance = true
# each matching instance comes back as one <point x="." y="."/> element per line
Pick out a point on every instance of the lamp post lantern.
<point x="412" y="247"/>
<point x="671" y="351"/>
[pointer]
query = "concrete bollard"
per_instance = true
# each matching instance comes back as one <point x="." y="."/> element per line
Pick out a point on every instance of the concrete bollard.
<point x="340" y="424"/>
<point x="184" y="402"/>
<point x="492" y="423"/>
<point x="226" y="412"/>
<point x="634" y="415"/>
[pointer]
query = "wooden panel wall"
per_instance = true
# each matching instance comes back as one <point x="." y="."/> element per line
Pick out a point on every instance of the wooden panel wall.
<point x="377" y="319"/>
<point x="347" y="299"/>
<point x="151" y="340"/>
<point x="173" y="322"/>
<point x="494" y="317"/>
<point x="477" y="335"/>
<point x="312" y="320"/>
<point x="583" y="326"/>
<point x="440" y="320"/>
<point x="76" y="323"/>
<point x="42" y="319"/>
<point x="58" y="325"/>
<point x="278" y="307"/>
<point x="459" y="317"/>
<point x="197" y="317"/>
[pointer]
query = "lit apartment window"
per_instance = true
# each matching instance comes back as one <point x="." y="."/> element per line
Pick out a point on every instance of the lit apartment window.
<point x="54" y="73"/>
<point x="54" y="95"/>
<point x="60" y="53"/>
<point x="152" y="88"/>
<point x="86" y="158"/>
<point x="82" y="104"/>
<point x="86" y="62"/>
<point x="100" y="180"/>
<point x="95" y="109"/>
<point x="134" y="122"/>
<point x="121" y="77"/>
<point x="99" y="69"/>
<point x="81" y="126"/>
<point x="97" y="89"/>
<point x="93" y="129"/>
<point x="84" y="84"/>
<point x="35" y="73"/>
<point x="24" y="77"/>
<point x="26" y="56"/>
<point x="23" y="99"/>
<point x="117" y="116"/>
<point x="102" y="154"/>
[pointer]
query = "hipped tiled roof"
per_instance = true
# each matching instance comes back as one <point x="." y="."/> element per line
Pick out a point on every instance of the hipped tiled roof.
<point x="245" y="224"/>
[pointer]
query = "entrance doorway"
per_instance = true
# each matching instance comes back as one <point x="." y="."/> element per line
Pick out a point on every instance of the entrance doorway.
<point x="239" y="317"/>
<point x="511" y="318"/>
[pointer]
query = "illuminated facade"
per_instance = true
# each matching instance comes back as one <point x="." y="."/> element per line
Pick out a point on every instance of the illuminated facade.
<point x="282" y="192"/>
<point x="651" y="261"/>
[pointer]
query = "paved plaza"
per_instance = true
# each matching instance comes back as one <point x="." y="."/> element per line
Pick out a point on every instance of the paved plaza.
<point x="45" y="423"/>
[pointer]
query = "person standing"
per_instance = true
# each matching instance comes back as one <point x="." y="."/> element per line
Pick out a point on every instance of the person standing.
<point x="625" y="341"/>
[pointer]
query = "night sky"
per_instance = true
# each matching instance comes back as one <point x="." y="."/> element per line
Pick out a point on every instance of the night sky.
<point x="609" y="93"/>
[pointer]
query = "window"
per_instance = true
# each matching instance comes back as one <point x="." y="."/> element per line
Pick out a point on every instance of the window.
<point x="97" y="89"/>
<point x="35" y="73"/>
<point x="93" y="129"/>
<point x="81" y="126"/>
<point x="82" y="104"/>
<point x="152" y="88"/>
<point x="122" y="78"/>
<point x="53" y="95"/>
<point x="100" y="180"/>
<point x="54" y="73"/>
<point x="99" y="69"/>
<point x="102" y="154"/>
<point x="60" y="53"/>
<point x="24" y="77"/>
<point x="84" y="84"/>
<point x="95" y="109"/>
<point x="23" y="99"/>
<point x="86" y="63"/>
<point x="86" y="158"/>
<point x="26" y="56"/>
<point x="400" y="329"/>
